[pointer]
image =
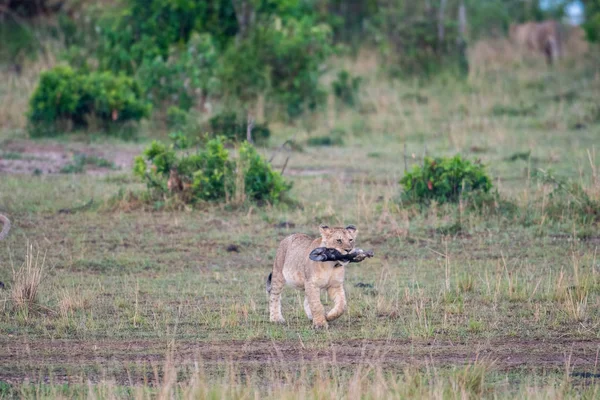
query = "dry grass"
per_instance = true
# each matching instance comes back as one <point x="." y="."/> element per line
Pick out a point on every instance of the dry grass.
<point x="26" y="281"/>
<point x="477" y="379"/>
<point x="18" y="88"/>
<point x="71" y="301"/>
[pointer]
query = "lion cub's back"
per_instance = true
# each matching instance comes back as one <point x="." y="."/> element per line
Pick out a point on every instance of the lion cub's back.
<point x="292" y="255"/>
<point x="296" y="247"/>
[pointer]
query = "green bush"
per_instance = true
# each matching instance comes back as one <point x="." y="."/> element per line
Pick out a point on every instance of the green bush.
<point x="346" y="88"/>
<point x="415" y="46"/>
<point x="335" y="138"/>
<point x="176" y="117"/>
<point x="64" y="95"/>
<point x="592" y="20"/>
<point x="261" y="183"/>
<point x="233" y="126"/>
<point x="210" y="174"/>
<point x="188" y="74"/>
<point x="57" y="96"/>
<point x="283" y="59"/>
<point x="444" y="180"/>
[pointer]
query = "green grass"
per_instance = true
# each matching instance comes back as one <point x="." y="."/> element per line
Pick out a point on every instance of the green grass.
<point x="140" y="284"/>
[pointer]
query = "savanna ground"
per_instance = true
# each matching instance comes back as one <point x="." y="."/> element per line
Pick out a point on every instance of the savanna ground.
<point x="457" y="302"/>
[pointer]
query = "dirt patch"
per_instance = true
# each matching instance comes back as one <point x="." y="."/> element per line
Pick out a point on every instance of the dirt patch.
<point x="30" y="157"/>
<point x="21" y="360"/>
<point x="308" y="172"/>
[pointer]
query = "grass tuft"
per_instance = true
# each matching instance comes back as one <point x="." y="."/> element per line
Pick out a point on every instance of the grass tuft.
<point x="26" y="281"/>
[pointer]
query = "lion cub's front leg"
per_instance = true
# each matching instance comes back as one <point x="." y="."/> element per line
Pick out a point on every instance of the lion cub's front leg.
<point x="313" y="294"/>
<point x="337" y="294"/>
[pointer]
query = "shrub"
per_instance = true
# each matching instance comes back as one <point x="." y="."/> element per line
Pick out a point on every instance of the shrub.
<point x="186" y="75"/>
<point x="282" y="58"/>
<point x="210" y="174"/>
<point x="176" y="117"/>
<point x="592" y="20"/>
<point x="346" y="87"/>
<point x="417" y="46"/>
<point x="64" y="95"/>
<point x="335" y="138"/>
<point x="57" y="96"/>
<point x="233" y="126"/>
<point x="146" y="29"/>
<point x="261" y="183"/>
<point x="444" y="180"/>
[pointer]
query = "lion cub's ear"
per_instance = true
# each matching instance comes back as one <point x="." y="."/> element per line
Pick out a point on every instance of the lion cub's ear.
<point x="352" y="229"/>
<point x="324" y="229"/>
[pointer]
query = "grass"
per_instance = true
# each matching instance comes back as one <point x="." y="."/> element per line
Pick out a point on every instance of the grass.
<point x="459" y="301"/>
<point x="81" y="161"/>
<point x="26" y="282"/>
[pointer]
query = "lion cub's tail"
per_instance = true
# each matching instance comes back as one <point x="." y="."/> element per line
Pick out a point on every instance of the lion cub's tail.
<point x="269" y="282"/>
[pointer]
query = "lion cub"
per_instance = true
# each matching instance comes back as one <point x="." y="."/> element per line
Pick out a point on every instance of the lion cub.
<point x="293" y="267"/>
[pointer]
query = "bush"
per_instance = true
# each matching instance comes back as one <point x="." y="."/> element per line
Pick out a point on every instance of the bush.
<point x="261" y="183"/>
<point x="210" y="174"/>
<point x="444" y="180"/>
<point x="346" y="87"/>
<point x="176" y="117"/>
<point x="234" y="126"/>
<point x="416" y="46"/>
<point x="64" y="95"/>
<point x="335" y="138"/>
<point x="187" y="74"/>
<point x="592" y="20"/>
<point x="282" y="59"/>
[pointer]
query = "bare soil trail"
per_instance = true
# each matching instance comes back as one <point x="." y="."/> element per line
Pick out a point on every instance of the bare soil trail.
<point x="65" y="359"/>
<point x="29" y="157"/>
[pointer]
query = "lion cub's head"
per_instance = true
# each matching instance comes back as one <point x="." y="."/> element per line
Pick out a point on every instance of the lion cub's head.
<point x="341" y="239"/>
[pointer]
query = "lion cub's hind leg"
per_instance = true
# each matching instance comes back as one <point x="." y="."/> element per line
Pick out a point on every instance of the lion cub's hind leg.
<point x="275" y="284"/>
<point x="276" y="287"/>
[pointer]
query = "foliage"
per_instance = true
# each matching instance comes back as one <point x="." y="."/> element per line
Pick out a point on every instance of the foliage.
<point x="261" y="183"/>
<point x="282" y="59"/>
<point x="188" y="73"/>
<point x="346" y="87"/>
<point x="233" y="126"/>
<point x="592" y="20"/>
<point x="144" y="30"/>
<point x="444" y="180"/>
<point x="176" y="117"/>
<point x="418" y="46"/>
<point x="66" y="95"/>
<point x="335" y="138"/>
<point x="210" y="174"/>
<point x="180" y="140"/>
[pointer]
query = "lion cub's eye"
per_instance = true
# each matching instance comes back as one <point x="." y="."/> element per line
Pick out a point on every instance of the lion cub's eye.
<point x="339" y="240"/>
<point x="351" y="240"/>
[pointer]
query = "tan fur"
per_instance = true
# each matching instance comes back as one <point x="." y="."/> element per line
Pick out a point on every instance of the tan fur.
<point x="5" y="226"/>
<point x="293" y="267"/>
<point x="542" y="37"/>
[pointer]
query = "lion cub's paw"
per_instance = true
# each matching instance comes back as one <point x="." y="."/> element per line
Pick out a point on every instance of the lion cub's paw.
<point x="319" y="326"/>
<point x="278" y="320"/>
